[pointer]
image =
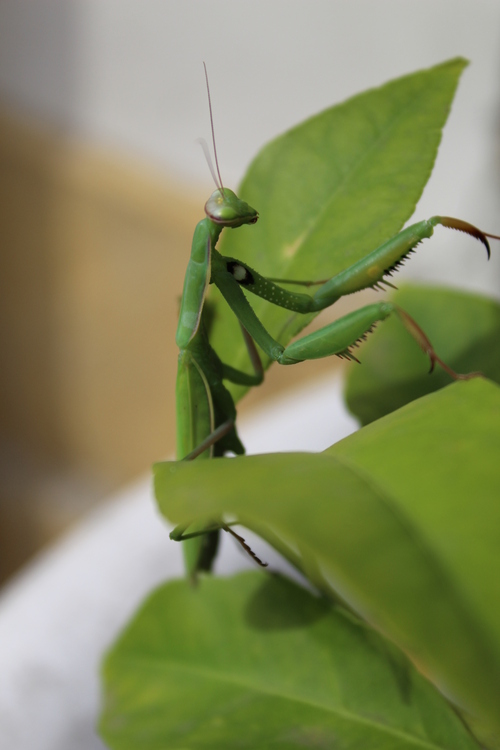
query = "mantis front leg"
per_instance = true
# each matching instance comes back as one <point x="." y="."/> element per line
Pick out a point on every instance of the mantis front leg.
<point x="339" y="337"/>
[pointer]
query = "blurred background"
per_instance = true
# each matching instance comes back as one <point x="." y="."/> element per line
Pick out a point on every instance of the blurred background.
<point x="102" y="182"/>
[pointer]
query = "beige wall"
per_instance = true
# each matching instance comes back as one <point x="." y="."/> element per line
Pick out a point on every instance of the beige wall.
<point x="92" y="258"/>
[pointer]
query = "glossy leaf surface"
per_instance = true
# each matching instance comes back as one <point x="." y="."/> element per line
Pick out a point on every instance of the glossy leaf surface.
<point x="257" y="662"/>
<point x="464" y="330"/>
<point x="403" y="516"/>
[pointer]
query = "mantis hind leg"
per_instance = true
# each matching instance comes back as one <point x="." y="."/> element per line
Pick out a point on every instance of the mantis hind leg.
<point x="207" y="549"/>
<point x="210" y="544"/>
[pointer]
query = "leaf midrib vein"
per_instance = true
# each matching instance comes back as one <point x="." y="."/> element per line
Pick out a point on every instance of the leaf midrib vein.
<point x="234" y="680"/>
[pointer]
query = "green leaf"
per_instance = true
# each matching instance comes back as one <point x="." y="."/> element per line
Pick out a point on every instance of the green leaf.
<point x="404" y="516"/>
<point x="443" y="481"/>
<point x="464" y="330"/>
<point x="257" y="662"/>
<point x="334" y="188"/>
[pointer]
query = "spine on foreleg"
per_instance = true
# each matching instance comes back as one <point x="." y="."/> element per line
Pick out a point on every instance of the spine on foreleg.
<point x="338" y="337"/>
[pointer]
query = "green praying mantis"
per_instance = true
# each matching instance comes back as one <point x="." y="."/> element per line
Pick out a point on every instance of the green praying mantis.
<point x="206" y="412"/>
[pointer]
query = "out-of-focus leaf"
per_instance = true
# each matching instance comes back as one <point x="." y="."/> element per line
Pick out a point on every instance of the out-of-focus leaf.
<point x="334" y="188"/>
<point x="257" y="662"/>
<point x="464" y="330"/>
<point x="405" y="518"/>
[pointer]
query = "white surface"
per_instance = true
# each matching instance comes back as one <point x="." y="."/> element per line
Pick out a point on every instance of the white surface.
<point x="128" y="75"/>
<point x="60" y="614"/>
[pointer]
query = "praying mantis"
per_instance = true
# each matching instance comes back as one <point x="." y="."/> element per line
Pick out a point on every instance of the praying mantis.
<point x="206" y="412"/>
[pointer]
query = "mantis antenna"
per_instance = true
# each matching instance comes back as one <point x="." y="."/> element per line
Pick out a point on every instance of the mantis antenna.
<point x="204" y="145"/>
<point x="208" y="159"/>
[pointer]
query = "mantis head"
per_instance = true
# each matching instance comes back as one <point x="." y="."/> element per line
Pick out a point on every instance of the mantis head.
<point x="226" y="209"/>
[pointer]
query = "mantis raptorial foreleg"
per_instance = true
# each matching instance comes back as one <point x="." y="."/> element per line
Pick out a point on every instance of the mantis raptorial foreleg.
<point x="338" y="337"/>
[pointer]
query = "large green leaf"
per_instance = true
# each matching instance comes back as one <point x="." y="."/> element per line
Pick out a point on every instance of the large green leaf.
<point x="464" y="330"/>
<point x="334" y="188"/>
<point x="404" y="516"/>
<point x="257" y="662"/>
